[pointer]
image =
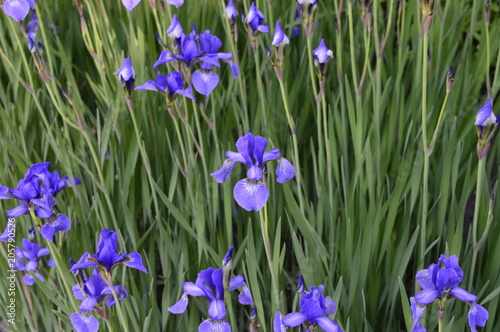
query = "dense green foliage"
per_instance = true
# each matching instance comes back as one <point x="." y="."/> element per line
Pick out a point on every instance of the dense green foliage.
<point x="352" y="220"/>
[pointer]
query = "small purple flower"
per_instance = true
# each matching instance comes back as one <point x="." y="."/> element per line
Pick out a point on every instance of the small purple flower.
<point x="251" y="193"/>
<point x="442" y="283"/>
<point x="107" y="256"/>
<point x="130" y="4"/>
<point x="175" y="31"/>
<point x="28" y="259"/>
<point x="280" y="39"/>
<point x="254" y="18"/>
<point x="485" y="116"/>
<point x="17" y="9"/>
<point x="176" y="3"/>
<point x="126" y="73"/>
<point x="209" y="284"/>
<point x="322" y="54"/>
<point x="231" y="11"/>
<point x="171" y="85"/>
<point x="313" y="308"/>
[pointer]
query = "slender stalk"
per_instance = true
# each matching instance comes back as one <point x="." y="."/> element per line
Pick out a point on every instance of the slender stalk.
<point x="430" y="148"/>
<point x="479" y="182"/>
<point x="123" y="319"/>
<point x="488" y="52"/>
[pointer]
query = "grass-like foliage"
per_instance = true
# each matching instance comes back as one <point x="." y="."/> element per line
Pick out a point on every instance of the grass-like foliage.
<point x="390" y="168"/>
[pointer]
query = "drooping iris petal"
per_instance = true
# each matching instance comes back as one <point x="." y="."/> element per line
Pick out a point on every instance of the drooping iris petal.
<point x="17" y="9"/>
<point x="463" y="295"/>
<point x="234" y="69"/>
<point x="217" y="309"/>
<point x="120" y="292"/>
<point x="417" y="313"/>
<point x="60" y="223"/>
<point x="204" y="82"/>
<point x="149" y="85"/>
<point x="214" y="326"/>
<point x="83" y="263"/>
<point x="4" y="193"/>
<point x="134" y="260"/>
<point x="426" y="296"/>
<point x="236" y="282"/>
<point x="8" y="233"/>
<point x="28" y="279"/>
<point x="84" y="323"/>
<point x="17" y="211"/>
<point x="192" y="289"/>
<point x="188" y="93"/>
<point x="294" y="319"/>
<point x="223" y="173"/>
<point x="251" y="195"/>
<point x="477" y="316"/>
<point x="176" y="3"/>
<point x="130" y="4"/>
<point x="285" y="170"/>
<point x="180" y="306"/>
<point x="165" y="56"/>
<point x="245" y="296"/>
<point x="327" y="324"/>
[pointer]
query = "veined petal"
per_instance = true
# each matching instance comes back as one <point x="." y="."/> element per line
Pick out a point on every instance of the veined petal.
<point x="211" y="59"/>
<point x="294" y="319"/>
<point x="425" y="280"/>
<point x="327" y="324"/>
<point x="251" y="195"/>
<point x="17" y="211"/>
<point x="165" y="56"/>
<point x="271" y="155"/>
<point x="188" y="93"/>
<point x="463" y="295"/>
<point x="59" y="223"/>
<point x="417" y="313"/>
<point x="331" y="307"/>
<point x="88" y="303"/>
<point x="214" y="326"/>
<point x="217" y="309"/>
<point x="149" y="85"/>
<point x="176" y="3"/>
<point x="204" y="83"/>
<point x="180" y="306"/>
<point x="84" y="323"/>
<point x="4" y="192"/>
<point x="245" y="296"/>
<point x="134" y="260"/>
<point x="235" y="156"/>
<point x="426" y="296"/>
<point x="285" y="170"/>
<point x="263" y="28"/>
<point x="236" y="282"/>
<point x="477" y="316"/>
<point x="77" y="292"/>
<point x="130" y="4"/>
<point x="223" y="173"/>
<point x="83" y="262"/>
<point x="192" y="289"/>
<point x="17" y="9"/>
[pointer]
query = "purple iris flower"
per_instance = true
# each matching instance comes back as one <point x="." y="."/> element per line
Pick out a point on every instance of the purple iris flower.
<point x="254" y="18"/>
<point x="280" y="39"/>
<point x="189" y="52"/>
<point x="130" y="4"/>
<point x="251" y="193"/>
<point x="126" y="73"/>
<point x="209" y="284"/>
<point x="231" y="11"/>
<point x="485" y="116"/>
<point x="322" y="54"/>
<point x="17" y="9"/>
<point x="171" y="85"/>
<point x="176" y="3"/>
<point x="442" y="283"/>
<point x="175" y="31"/>
<point x="8" y="233"/>
<point x="94" y="291"/>
<point x="28" y="259"/>
<point x="107" y="256"/>
<point x="313" y="308"/>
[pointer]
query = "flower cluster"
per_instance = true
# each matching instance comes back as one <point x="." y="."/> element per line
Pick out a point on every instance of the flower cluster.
<point x="314" y="307"/>
<point x="440" y="281"/>
<point x="212" y="284"/>
<point x="36" y="194"/>
<point x="94" y="290"/>
<point x="251" y="193"/>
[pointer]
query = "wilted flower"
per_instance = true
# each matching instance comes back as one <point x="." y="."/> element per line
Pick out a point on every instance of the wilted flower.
<point x="130" y="4"/>
<point x="28" y="259"/>
<point x="313" y="308"/>
<point x="251" y="193"/>
<point x="126" y="74"/>
<point x="107" y="256"/>
<point x="442" y="283"/>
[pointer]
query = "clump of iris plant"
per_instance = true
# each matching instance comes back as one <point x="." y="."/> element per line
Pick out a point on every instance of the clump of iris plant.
<point x="28" y="260"/>
<point x="251" y="192"/>
<point x="36" y="194"/>
<point x="18" y="9"/>
<point x="314" y="308"/>
<point x="487" y="125"/>
<point x="440" y="282"/>
<point x="196" y="48"/>
<point x="93" y="291"/>
<point x="212" y="284"/>
<point x="126" y="74"/>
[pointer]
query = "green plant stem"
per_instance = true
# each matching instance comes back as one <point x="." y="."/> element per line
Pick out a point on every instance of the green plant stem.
<point x="327" y="149"/>
<point x="479" y="182"/>
<point x="430" y="148"/>
<point x="488" y="52"/>
<point x="423" y="225"/>
<point x="295" y="145"/>
<point x="122" y="318"/>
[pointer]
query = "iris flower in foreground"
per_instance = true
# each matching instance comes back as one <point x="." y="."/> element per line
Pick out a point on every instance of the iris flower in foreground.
<point x="440" y="281"/>
<point x="28" y="260"/>
<point x="251" y="192"/>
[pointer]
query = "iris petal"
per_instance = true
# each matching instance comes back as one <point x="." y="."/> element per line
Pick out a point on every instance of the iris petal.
<point x="250" y="195"/>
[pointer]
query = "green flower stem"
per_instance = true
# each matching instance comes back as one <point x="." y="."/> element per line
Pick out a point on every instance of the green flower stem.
<point x="295" y="145"/>
<point x="430" y="148"/>
<point x="264" y="225"/>
<point x="327" y="149"/>
<point x="122" y="318"/>
<point x="487" y="63"/>
<point x="479" y="182"/>
<point x="260" y="86"/>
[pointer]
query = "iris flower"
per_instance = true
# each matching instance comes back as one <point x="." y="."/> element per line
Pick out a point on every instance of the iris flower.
<point x="107" y="256"/>
<point x="171" y="85"/>
<point x="440" y="281"/>
<point x="254" y="18"/>
<point x="28" y="259"/>
<point x="251" y="193"/>
<point x="231" y="11"/>
<point x="485" y="116"/>
<point x="126" y="73"/>
<point x="313" y="308"/>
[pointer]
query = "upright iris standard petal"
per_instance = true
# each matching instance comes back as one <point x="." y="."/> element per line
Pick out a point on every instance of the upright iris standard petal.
<point x="251" y="195"/>
<point x="285" y="170"/>
<point x="84" y="323"/>
<point x="59" y="223"/>
<point x="175" y="28"/>
<point x="180" y="306"/>
<point x="17" y="9"/>
<point x="485" y="116"/>
<point x="205" y="82"/>
<point x="130" y="4"/>
<point x="477" y="316"/>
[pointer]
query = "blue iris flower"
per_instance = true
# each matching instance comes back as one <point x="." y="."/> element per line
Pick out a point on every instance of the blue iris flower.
<point x="126" y="73"/>
<point x="251" y="193"/>
<point x="171" y="85"/>
<point x="254" y="18"/>
<point x="28" y="260"/>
